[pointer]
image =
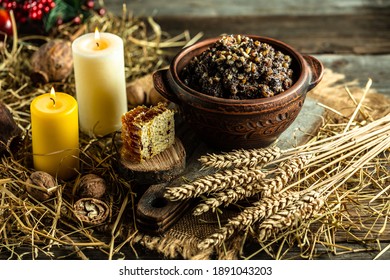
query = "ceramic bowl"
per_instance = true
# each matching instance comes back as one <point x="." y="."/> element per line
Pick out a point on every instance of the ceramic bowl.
<point x="231" y="124"/>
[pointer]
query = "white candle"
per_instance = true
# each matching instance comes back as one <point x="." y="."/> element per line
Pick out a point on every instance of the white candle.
<point x="100" y="82"/>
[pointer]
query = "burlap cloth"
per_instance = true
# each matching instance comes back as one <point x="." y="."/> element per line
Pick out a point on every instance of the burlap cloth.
<point x="182" y="239"/>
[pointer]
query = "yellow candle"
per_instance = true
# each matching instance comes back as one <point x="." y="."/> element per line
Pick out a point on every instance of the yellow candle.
<point x="55" y="134"/>
<point x="98" y="60"/>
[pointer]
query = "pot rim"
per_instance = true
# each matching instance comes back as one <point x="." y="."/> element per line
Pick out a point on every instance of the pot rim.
<point x="295" y="89"/>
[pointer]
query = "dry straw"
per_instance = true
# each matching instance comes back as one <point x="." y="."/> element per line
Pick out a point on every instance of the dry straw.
<point x="31" y="229"/>
<point x="305" y="196"/>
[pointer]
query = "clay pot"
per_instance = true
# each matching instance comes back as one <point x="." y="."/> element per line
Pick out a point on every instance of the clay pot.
<point x="232" y="124"/>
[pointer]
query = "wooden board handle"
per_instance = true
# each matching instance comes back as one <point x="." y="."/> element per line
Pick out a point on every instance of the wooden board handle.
<point x="155" y="213"/>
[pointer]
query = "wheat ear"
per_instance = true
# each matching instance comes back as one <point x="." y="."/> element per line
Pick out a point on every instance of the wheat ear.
<point x="304" y="208"/>
<point x="241" y="158"/>
<point x="224" y="179"/>
<point x="265" y="187"/>
<point x="259" y="210"/>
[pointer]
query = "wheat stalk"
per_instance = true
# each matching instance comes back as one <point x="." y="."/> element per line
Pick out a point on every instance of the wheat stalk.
<point x="241" y="158"/>
<point x="224" y="179"/>
<point x="259" y="210"/>
<point x="265" y="187"/>
<point x="304" y="208"/>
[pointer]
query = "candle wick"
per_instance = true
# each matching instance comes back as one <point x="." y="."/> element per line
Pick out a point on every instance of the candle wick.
<point x="97" y="44"/>
<point x="54" y="101"/>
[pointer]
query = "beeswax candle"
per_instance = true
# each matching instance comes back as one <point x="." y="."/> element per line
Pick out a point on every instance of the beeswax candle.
<point x="98" y="61"/>
<point x="55" y="134"/>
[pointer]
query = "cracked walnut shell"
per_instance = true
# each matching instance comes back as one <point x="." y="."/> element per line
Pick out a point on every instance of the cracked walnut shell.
<point x="91" y="211"/>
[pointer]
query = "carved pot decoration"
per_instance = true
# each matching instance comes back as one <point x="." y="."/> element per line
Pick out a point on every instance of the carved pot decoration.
<point x="231" y="123"/>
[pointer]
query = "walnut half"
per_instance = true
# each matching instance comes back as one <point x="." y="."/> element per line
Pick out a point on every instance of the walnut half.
<point x="91" y="211"/>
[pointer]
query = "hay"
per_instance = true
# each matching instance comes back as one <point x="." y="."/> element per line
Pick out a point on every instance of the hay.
<point x="31" y="229"/>
<point x="355" y="185"/>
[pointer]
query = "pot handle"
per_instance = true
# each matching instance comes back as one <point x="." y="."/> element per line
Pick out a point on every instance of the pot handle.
<point x="160" y="78"/>
<point x="316" y="69"/>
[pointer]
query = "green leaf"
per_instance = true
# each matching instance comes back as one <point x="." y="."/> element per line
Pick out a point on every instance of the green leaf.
<point x="64" y="9"/>
<point x="74" y="3"/>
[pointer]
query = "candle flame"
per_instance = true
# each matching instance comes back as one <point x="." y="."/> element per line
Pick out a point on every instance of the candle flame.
<point x="97" y="36"/>
<point x="53" y="96"/>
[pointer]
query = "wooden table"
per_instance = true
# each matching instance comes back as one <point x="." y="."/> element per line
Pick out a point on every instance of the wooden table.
<point x="349" y="37"/>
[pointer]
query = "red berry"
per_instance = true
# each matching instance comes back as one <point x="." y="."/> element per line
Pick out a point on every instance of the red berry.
<point x="5" y="22"/>
<point x="77" y="20"/>
<point x="10" y="5"/>
<point x="102" y="11"/>
<point x="90" y="4"/>
<point x="60" y="21"/>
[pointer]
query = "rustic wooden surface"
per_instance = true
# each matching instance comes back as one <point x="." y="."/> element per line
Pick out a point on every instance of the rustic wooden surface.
<point x="350" y="37"/>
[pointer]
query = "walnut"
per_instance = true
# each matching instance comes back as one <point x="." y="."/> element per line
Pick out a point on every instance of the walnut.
<point x="41" y="185"/>
<point x="91" y="211"/>
<point x="155" y="97"/>
<point x="91" y="186"/>
<point x="53" y="61"/>
<point x="9" y="130"/>
<point x="135" y="94"/>
<point x="142" y="92"/>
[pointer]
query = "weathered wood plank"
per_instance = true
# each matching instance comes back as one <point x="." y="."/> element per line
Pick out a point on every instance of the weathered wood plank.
<point x="245" y="7"/>
<point x="356" y="33"/>
<point x="329" y="26"/>
<point x="359" y="67"/>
